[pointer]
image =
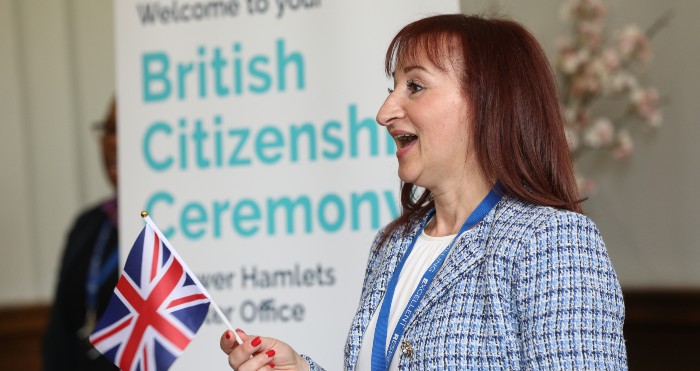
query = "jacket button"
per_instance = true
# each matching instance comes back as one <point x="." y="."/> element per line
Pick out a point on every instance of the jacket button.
<point x="406" y="349"/>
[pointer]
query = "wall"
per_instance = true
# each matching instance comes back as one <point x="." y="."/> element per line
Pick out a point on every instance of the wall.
<point x="56" y="77"/>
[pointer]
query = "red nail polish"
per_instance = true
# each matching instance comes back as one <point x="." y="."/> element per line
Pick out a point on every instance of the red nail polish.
<point x="256" y="341"/>
<point x="272" y="365"/>
<point x="270" y="353"/>
<point x="228" y="335"/>
<point x="241" y="331"/>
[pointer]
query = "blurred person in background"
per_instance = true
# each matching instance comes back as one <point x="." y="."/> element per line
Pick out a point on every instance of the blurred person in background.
<point x="88" y="273"/>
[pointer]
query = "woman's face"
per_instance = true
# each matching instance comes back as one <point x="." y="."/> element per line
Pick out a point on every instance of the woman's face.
<point x="428" y="116"/>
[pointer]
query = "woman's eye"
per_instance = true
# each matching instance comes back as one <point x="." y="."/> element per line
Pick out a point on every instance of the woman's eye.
<point x="413" y="86"/>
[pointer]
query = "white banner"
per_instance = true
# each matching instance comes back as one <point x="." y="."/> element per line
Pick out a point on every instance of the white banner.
<point x="247" y="130"/>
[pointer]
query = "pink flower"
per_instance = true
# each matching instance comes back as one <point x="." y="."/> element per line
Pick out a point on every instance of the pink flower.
<point x="602" y="76"/>
<point x="591" y="33"/>
<point x="655" y="119"/>
<point x="610" y="59"/>
<point x="634" y="44"/>
<point x="646" y="105"/>
<point x="623" y="81"/>
<point x="624" y="146"/>
<point x="587" y="83"/>
<point x="596" y="8"/>
<point x="568" y="62"/>
<point x="570" y="59"/>
<point x="600" y="134"/>
<point x="582" y="9"/>
<point x="603" y="73"/>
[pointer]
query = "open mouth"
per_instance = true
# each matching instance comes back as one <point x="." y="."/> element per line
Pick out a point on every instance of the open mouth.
<point x="402" y="140"/>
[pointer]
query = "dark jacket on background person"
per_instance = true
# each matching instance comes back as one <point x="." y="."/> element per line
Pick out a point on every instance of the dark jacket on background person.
<point x="65" y="348"/>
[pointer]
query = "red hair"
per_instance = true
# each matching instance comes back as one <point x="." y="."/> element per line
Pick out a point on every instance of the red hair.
<point x="518" y="128"/>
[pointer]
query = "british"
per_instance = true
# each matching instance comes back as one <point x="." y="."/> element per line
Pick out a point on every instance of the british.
<point x="157" y="307"/>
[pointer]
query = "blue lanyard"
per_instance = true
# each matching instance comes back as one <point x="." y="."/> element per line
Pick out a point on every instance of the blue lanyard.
<point x="100" y="269"/>
<point x="381" y="355"/>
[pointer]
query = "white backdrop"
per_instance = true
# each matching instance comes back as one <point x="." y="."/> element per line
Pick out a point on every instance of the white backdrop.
<point x="247" y="131"/>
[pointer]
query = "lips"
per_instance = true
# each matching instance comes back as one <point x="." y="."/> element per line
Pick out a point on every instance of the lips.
<point x="403" y="140"/>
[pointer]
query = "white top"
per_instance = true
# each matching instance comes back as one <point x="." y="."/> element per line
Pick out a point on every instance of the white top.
<point x="426" y="250"/>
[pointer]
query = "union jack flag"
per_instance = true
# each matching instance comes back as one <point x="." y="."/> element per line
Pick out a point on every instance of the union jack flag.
<point x="155" y="311"/>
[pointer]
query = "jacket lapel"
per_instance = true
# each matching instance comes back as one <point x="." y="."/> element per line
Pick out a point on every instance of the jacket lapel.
<point x="467" y="253"/>
<point x="385" y="265"/>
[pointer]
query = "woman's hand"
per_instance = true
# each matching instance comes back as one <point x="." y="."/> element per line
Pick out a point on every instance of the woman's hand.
<point x="260" y="353"/>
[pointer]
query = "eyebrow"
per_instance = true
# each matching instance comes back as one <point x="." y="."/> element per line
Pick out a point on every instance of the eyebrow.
<point x="410" y="68"/>
<point x="413" y="67"/>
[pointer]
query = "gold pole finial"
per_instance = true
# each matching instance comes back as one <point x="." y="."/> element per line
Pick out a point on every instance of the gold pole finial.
<point x="144" y="213"/>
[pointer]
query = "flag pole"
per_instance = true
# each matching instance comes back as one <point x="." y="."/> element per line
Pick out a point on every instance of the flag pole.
<point x="152" y="224"/>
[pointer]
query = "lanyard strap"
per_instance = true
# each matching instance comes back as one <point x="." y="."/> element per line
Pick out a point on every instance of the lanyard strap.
<point x="101" y="267"/>
<point x="381" y="355"/>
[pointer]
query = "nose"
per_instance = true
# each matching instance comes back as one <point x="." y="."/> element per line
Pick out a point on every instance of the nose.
<point x="390" y="110"/>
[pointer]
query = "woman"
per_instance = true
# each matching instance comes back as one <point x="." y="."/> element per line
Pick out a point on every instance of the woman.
<point x="526" y="281"/>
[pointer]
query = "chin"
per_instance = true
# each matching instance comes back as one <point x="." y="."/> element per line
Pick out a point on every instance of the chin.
<point x="404" y="178"/>
<point x="407" y="177"/>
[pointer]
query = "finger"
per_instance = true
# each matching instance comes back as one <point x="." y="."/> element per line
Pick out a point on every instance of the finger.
<point x="263" y="360"/>
<point x="228" y="340"/>
<point x="244" y="352"/>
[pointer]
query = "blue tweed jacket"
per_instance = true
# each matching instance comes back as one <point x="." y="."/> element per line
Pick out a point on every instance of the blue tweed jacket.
<point x="531" y="287"/>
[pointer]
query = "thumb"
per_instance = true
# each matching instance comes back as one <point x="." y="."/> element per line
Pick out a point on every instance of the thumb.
<point x="228" y="341"/>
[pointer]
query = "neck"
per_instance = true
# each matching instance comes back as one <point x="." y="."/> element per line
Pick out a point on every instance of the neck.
<point x="453" y="207"/>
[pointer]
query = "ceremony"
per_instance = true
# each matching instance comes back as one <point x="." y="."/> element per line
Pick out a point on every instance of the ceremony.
<point x="349" y="185"/>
